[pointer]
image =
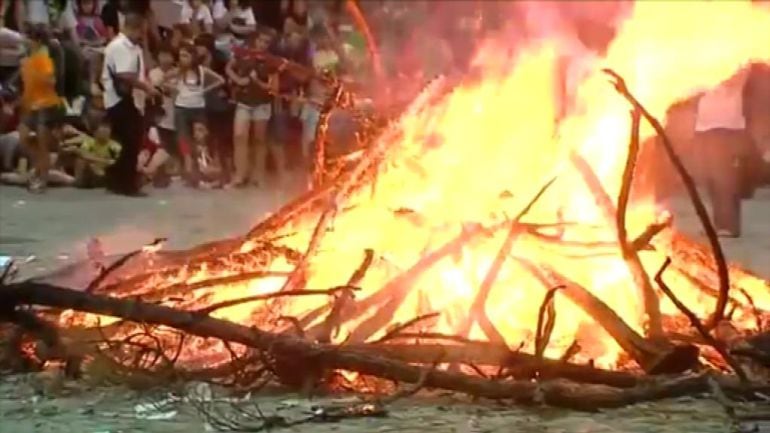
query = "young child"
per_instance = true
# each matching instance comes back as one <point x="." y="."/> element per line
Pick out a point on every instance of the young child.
<point x="94" y="156"/>
<point x="158" y="77"/>
<point x="208" y="167"/>
<point x="152" y="159"/>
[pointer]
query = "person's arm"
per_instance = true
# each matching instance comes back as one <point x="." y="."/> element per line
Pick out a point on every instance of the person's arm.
<point x="234" y="76"/>
<point x="125" y="68"/>
<point x="90" y="157"/>
<point x="207" y="20"/>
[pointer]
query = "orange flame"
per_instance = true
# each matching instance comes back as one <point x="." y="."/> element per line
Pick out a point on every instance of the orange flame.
<point x="478" y="156"/>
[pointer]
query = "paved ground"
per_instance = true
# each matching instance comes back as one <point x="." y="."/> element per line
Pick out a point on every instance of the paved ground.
<point x="55" y="228"/>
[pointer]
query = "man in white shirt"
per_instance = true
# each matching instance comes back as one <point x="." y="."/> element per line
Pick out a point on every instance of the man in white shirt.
<point x="720" y="131"/>
<point x="123" y="79"/>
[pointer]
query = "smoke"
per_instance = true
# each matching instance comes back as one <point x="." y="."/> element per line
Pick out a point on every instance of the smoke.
<point x="421" y="39"/>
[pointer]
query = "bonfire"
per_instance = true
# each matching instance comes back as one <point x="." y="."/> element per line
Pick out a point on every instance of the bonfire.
<point x="475" y="245"/>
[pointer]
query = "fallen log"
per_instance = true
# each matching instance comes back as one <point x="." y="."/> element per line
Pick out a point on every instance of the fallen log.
<point x="481" y="353"/>
<point x="558" y="393"/>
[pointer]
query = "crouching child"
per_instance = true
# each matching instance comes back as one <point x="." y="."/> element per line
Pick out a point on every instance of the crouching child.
<point x="94" y="156"/>
<point x="152" y="160"/>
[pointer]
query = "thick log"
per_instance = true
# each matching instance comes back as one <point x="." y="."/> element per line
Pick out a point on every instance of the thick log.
<point x="556" y="393"/>
<point x="481" y="353"/>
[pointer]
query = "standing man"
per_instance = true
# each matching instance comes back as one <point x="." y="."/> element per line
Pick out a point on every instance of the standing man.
<point x="720" y="132"/>
<point x="123" y="78"/>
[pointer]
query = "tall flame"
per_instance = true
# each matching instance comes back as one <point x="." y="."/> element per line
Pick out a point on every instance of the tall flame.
<point x="479" y="155"/>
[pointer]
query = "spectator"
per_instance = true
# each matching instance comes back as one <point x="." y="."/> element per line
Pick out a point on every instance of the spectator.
<point x="58" y="15"/>
<point x="90" y="28"/>
<point x="209" y="167"/>
<point x="152" y="160"/>
<point x="94" y="156"/>
<point x="295" y="16"/>
<point x="159" y="76"/>
<point x="180" y="34"/>
<point x="198" y="15"/>
<point x="11" y="52"/>
<point x="237" y="19"/>
<point x="122" y="73"/>
<point x="219" y="110"/>
<point x="193" y="82"/>
<point x="254" y="86"/>
<point x="41" y="105"/>
<point x="114" y="13"/>
<point x="10" y="142"/>
<point x="286" y="125"/>
<point x="324" y="60"/>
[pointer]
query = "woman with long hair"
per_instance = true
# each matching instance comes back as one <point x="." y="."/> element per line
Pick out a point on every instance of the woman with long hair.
<point x="189" y="85"/>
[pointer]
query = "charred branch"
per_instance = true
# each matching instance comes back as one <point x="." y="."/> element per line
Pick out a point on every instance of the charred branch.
<point x="639" y="275"/>
<point x="698" y="325"/>
<point x="692" y="191"/>
<point x="556" y="393"/>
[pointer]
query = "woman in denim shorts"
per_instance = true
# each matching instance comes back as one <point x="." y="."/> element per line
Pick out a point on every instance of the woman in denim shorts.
<point x="254" y="86"/>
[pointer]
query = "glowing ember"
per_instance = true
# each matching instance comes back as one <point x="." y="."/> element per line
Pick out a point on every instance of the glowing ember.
<point x="478" y="156"/>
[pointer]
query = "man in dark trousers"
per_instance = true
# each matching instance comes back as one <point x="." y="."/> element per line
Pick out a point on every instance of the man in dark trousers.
<point x="123" y="77"/>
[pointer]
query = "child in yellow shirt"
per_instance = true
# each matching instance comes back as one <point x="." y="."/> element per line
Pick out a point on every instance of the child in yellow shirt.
<point x="94" y="155"/>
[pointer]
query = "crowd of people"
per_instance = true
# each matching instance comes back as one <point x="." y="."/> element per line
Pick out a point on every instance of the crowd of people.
<point x="114" y="94"/>
<point x="124" y="94"/>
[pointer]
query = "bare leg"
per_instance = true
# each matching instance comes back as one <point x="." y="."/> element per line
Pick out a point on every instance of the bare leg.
<point x="241" y="126"/>
<point x="259" y="168"/>
<point x="156" y="161"/>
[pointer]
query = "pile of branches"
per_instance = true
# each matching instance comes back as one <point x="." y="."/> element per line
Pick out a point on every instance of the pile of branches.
<point x="303" y="357"/>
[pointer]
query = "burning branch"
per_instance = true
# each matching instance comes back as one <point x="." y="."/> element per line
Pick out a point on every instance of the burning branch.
<point x="477" y="312"/>
<point x="328" y="357"/>
<point x="233" y="302"/>
<point x="692" y="191"/>
<point x="604" y="202"/>
<point x="106" y="272"/>
<point x="655" y="357"/>
<point x="698" y="325"/>
<point x="546" y="319"/>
